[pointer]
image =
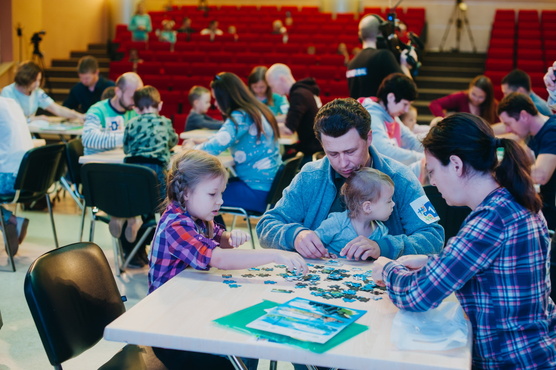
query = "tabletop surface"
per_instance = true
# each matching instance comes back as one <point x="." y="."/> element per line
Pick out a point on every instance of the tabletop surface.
<point x="60" y="128"/>
<point x="206" y="134"/>
<point x="180" y="315"/>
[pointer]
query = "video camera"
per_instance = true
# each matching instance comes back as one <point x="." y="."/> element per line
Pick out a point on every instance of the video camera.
<point x="35" y="40"/>
<point x="391" y="41"/>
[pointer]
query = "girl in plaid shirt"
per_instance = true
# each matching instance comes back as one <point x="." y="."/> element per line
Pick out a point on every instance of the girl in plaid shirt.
<point x="187" y="236"/>
<point x="498" y="263"/>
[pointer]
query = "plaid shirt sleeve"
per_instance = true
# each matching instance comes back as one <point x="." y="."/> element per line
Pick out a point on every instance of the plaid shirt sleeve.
<point x="471" y="251"/>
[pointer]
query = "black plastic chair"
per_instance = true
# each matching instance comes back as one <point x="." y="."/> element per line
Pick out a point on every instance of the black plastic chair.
<point x="120" y="190"/>
<point x="286" y="172"/>
<point x="72" y="296"/>
<point x="37" y="173"/>
<point x="71" y="180"/>
<point x="451" y="218"/>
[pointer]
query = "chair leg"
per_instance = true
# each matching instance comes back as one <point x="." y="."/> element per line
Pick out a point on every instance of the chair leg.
<point x="73" y="192"/>
<point x="82" y="226"/>
<point x="237" y="363"/>
<point x="272" y="365"/>
<point x="138" y="245"/>
<point x="92" y="227"/>
<point x="52" y="220"/>
<point x="6" y="243"/>
<point x="117" y="246"/>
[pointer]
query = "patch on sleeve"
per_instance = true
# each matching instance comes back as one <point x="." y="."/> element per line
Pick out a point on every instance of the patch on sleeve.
<point x="423" y="208"/>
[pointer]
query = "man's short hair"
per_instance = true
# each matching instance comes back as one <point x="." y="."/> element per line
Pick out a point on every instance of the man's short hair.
<point x="513" y="103"/>
<point x="27" y="73"/>
<point x="145" y="97"/>
<point x="516" y="79"/>
<point x="400" y="85"/>
<point x="339" y="116"/>
<point x="87" y="64"/>
<point x="196" y="92"/>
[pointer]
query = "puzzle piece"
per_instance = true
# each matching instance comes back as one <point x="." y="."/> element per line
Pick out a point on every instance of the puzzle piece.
<point x="269" y="282"/>
<point x="226" y="275"/>
<point x="234" y="285"/>
<point x="248" y="275"/>
<point x="281" y="291"/>
<point x="254" y="269"/>
<point x="229" y="281"/>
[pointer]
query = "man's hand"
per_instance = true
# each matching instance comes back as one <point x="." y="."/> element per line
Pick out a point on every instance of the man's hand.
<point x="361" y="248"/>
<point x="413" y="261"/>
<point x="378" y="268"/>
<point x="550" y="78"/>
<point x="308" y="244"/>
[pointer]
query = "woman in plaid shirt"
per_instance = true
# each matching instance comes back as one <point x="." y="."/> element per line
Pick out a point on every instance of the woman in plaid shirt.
<point x="498" y="263"/>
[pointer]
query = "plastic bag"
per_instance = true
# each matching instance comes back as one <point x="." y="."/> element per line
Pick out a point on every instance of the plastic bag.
<point x="438" y="329"/>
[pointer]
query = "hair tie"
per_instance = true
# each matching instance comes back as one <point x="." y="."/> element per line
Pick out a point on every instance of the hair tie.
<point x="499" y="146"/>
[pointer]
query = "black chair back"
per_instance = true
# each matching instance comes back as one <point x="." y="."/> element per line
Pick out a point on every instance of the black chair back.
<point x="283" y="178"/>
<point x="38" y="170"/>
<point x="451" y="218"/>
<point x="74" y="150"/>
<point x="120" y="190"/>
<point x="72" y="296"/>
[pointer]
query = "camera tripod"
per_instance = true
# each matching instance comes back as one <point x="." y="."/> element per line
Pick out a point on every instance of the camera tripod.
<point x="459" y="17"/>
<point x="38" y="58"/>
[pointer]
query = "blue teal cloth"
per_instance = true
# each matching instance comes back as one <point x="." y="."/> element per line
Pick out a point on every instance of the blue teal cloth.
<point x="29" y="103"/>
<point x="140" y="20"/>
<point x="280" y="104"/>
<point x="337" y="230"/>
<point x="256" y="158"/>
<point x="307" y="201"/>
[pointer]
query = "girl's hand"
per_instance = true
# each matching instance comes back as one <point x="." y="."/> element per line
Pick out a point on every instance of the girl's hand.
<point x="413" y="261"/>
<point x="238" y="237"/>
<point x="293" y="261"/>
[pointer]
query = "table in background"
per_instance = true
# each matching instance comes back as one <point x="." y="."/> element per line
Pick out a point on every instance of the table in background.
<point x="203" y="134"/>
<point x="62" y="129"/>
<point x="118" y="155"/>
<point x="180" y="315"/>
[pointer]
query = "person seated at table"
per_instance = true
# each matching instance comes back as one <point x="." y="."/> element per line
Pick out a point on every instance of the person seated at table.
<point x="27" y="93"/>
<point x="187" y="236"/>
<point x="105" y="120"/>
<point x="90" y="87"/>
<point x="343" y="127"/>
<point x="108" y="93"/>
<point x="251" y="134"/>
<point x="278" y="104"/>
<point x="199" y="99"/>
<point x="140" y="24"/>
<point x="368" y="198"/>
<point x="16" y="141"/>
<point x="497" y="263"/>
<point x="148" y="140"/>
<point x="477" y="99"/>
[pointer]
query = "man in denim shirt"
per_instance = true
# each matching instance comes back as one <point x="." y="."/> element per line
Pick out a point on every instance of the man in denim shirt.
<point x="343" y="127"/>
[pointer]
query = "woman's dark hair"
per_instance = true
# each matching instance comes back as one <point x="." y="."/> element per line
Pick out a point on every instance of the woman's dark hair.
<point x="471" y="139"/>
<point x="488" y="107"/>
<point x="231" y="94"/>
<point x="256" y="75"/>
<point x="27" y="73"/>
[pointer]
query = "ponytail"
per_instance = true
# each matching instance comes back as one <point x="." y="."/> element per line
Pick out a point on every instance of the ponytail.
<point x="514" y="173"/>
<point x="471" y="139"/>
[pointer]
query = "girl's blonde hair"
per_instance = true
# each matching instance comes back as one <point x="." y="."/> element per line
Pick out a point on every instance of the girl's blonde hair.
<point x="363" y="185"/>
<point x="190" y="168"/>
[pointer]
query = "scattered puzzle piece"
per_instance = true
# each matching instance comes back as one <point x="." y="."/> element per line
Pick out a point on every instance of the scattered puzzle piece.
<point x="281" y="291"/>
<point x="226" y="275"/>
<point x="229" y="281"/>
<point x="269" y="282"/>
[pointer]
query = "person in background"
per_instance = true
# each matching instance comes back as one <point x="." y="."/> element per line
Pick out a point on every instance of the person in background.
<point x="497" y="263"/>
<point x="16" y="141"/>
<point x="519" y="81"/>
<point x="304" y="104"/>
<point x="371" y="65"/>
<point x="167" y="33"/>
<point x="343" y="51"/>
<point x="478" y="99"/>
<point x="232" y="30"/>
<point x="368" y="197"/>
<point x="140" y="24"/>
<point x="390" y="137"/>
<point x="108" y="93"/>
<point x="520" y="117"/>
<point x="27" y="93"/>
<point x="550" y="83"/>
<point x="251" y="134"/>
<point x="90" y="87"/>
<point x="212" y="30"/>
<point x="279" y="29"/>
<point x="288" y="19"/>
<point x="199" y="98"/>
<point x="278" y="104"/>
<point x="186" y="26"/>
<point x="409" y="119"/>
<point x="344" y="128"/>
<point x="188" y="237"/>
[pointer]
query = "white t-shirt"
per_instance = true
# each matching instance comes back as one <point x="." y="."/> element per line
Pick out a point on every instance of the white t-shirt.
<point x="29" y="103"/>
<point x="16" y="138"/>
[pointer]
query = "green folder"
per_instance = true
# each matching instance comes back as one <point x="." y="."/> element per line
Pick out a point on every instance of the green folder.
<point x="239" y="320"/>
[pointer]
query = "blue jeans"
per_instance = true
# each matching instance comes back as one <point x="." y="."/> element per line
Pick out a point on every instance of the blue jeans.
<point x="239" y="194"/>
<point x="7" y="181"/>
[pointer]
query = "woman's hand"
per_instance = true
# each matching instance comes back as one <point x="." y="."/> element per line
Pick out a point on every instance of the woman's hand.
<point x="378" y="268"/>
<point x="413" y="261"/>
